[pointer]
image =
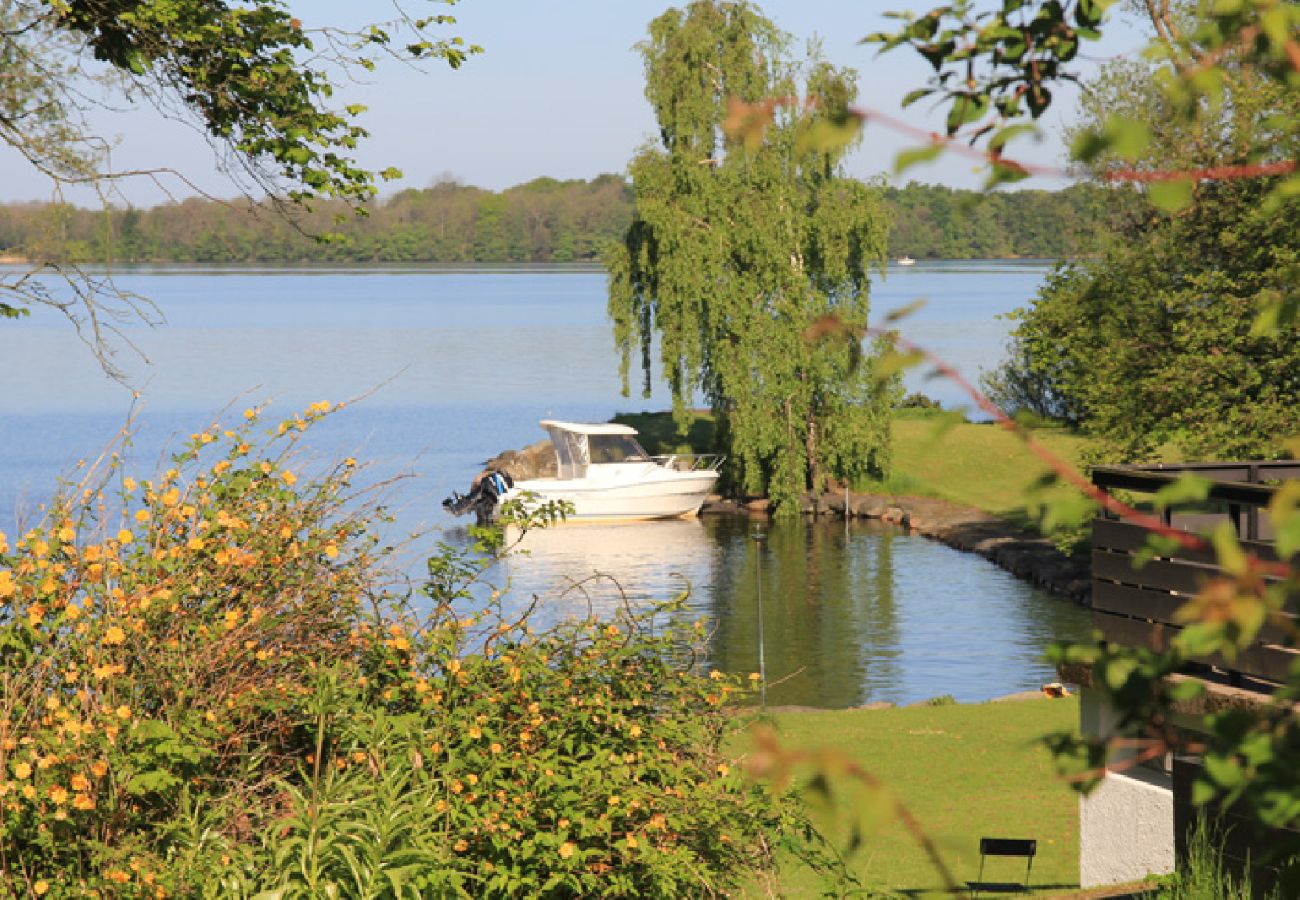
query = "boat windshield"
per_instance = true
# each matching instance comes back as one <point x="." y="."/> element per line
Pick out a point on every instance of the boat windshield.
<point x="616" y="448"/>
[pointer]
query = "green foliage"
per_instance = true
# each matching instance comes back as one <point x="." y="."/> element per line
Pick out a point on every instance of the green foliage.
<point x="748" y="260"/>
<point x="544" y="220"/>
<point x="1154" y="343"/>
<point x="223" y="700"/>
<point x="932" y="221"/>
<point x="1203" y="876"/>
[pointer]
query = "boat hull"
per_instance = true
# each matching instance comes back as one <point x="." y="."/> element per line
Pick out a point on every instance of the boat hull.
<point x="668" y="498"/>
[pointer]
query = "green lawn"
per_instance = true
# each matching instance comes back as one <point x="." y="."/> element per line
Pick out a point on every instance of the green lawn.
<point x="984" y="466"/>
<point x="965" y="772"/>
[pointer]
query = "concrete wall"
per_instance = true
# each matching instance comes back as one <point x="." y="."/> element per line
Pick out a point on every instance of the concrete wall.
<point x="1126" y="826"/>
<point x="1126" y="829"/>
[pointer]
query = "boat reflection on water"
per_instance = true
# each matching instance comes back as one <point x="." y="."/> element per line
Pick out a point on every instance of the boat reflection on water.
<point x="600" y="569"/>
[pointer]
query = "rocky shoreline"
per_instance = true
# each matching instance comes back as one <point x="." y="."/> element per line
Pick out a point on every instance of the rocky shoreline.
<point x="1023" y="554"/>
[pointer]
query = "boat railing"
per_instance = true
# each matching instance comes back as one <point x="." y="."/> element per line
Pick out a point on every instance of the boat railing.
<point x="690" y="462"/>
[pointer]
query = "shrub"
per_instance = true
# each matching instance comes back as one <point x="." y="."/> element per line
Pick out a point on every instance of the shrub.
<point x="206" y="688"/>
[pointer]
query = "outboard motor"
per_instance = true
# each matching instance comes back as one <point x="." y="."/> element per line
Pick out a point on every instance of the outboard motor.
<point x="483" y="498"/>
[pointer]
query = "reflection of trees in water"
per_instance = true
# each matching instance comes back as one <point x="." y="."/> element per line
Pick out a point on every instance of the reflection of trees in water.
<point x="827" y="609"/>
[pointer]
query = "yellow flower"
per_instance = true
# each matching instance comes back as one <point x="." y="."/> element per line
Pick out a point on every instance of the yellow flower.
<point x="114" y="635"/>
<point x="40" y="887"/>
<point x="250" y="414"/>
<point x="22" y="770"/>
<point x="125" y="537"/>
<point x="289" y="477"/>
<point x="142" y="515"/>
<point x="83" y="802"/>
<point x="461" y="846"/>
<point x="100" y="768"/>
<point x="566" y="849"/>
<point x="29" y="792"/>
<point x="59" y="795"/>
<point x="7" y="587"/>
<point x="66" y="534"/>
<point x="128" y="484"/>
<point x="331" y="550"/>
<point x="631" y="842"/>
<point x="118" y="876"/>
<point x="475" y="732"/>
<point x="123" y="712"/>
<point x="79" y="782"/>
<point x="171" y="497"/>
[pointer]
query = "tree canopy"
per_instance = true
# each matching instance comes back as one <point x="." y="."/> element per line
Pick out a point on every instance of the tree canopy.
<point x="747" y="261"/>
<point x="1154" y="343"/>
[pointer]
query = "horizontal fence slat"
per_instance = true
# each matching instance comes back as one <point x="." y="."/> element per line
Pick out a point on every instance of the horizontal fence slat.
<point x="1151" y="480"/>
<point x="1160" y="606"/>
<point x="1159" y="574"/>
<point x="1109" y="534"/>
<point x="1268" y="661"/>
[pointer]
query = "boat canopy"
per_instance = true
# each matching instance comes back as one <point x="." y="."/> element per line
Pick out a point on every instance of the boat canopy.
<point x="578" y="445"/>
<point x="586" y="428"/>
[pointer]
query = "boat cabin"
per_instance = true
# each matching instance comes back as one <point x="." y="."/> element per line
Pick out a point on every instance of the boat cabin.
<point x="579" y="445"/>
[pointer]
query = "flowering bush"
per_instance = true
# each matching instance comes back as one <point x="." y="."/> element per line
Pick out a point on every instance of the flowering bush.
<point x="206" y="689"/>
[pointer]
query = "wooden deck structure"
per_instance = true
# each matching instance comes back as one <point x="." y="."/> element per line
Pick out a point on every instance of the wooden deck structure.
<point x="1135" y="605"/>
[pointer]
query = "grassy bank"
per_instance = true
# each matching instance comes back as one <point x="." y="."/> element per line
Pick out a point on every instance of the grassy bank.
<point x="986" y="467"/>
<point x="965" y="772"/>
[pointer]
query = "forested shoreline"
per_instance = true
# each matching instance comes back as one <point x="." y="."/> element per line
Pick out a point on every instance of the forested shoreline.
<point x="544" y="220"/>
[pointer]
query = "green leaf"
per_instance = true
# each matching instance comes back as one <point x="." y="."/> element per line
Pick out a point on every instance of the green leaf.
<point x="827" y="136"/>
<point x="908" y="158"/>
<point x="1187" y="488"/>
<point x="1229" y="553"/>
<point x="966" y="108"/>
<point x="1171" y="196"/>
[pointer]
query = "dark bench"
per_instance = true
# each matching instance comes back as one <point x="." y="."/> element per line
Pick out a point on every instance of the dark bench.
<point x="1004" y="847"/>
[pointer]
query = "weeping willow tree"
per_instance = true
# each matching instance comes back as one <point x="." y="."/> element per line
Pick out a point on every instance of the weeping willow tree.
<point x="748" y="259"/>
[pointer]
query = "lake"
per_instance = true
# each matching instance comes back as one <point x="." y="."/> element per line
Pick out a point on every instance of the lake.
<point x="460" y="364"/>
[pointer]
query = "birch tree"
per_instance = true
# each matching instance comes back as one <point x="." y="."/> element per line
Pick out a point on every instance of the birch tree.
<point x="747" y="260"/>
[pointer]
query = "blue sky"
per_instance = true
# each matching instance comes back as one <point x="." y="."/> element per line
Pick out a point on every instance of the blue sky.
<point x="558" y="91"/>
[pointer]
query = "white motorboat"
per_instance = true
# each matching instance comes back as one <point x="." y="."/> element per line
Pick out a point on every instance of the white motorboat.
<point x="605" y="474"/>
<point x="906" y="261"/>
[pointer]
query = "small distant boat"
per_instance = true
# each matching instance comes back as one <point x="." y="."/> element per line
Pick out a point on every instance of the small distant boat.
<point x="906" y="261"/>
<point x="605" y="474"/>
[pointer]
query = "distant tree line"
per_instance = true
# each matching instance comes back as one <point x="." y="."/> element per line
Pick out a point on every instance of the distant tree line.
<point x="544" y="220"/>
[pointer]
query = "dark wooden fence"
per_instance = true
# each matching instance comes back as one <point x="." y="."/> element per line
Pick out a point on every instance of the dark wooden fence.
<point x="1135" y="604"/>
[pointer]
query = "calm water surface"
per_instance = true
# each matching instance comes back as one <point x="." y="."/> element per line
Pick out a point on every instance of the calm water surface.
<point x="462" y="364"/>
